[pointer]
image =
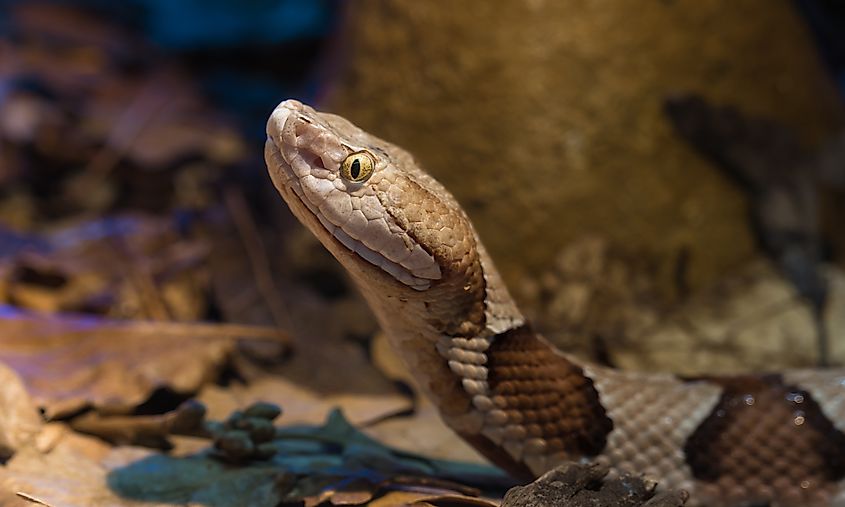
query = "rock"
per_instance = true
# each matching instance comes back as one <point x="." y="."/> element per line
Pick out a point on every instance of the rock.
<point x="574" y="485"/>
<point x="545" y="118"/>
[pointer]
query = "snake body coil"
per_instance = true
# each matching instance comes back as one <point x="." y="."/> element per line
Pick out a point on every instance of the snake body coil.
<point x="774" y="439"/>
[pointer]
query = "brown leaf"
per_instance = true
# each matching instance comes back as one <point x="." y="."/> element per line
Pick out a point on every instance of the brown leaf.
<point x="398" y="498"/>
<point x="85" y="472"/>
<point x="301" y="403"/>
<point x="355" y="492"/>
<point x="70" y="475"/>
<point x="351" y="497"/>
<point x="420" y="498"/>
<point x="19" y="418"/>
<point x="67" y="363"/>
<point x="410" y="491"/>
<point x="135" y="266"/>
<point x="456" y="501"/>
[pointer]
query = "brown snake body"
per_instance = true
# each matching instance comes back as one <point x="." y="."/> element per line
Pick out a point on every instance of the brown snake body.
<point x="775" y="439"/>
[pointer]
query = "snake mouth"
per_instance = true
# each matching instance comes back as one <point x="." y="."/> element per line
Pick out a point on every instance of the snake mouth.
<point x="303" y="154"/>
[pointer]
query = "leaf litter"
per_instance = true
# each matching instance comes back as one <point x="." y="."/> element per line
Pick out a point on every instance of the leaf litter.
<point x="153" y="318"/>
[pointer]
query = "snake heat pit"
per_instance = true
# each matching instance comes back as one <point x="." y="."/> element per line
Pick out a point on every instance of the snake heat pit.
<point x="775" y="439"/>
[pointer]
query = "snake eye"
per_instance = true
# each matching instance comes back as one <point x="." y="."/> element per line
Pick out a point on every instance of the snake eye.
<point x="358" y="167"/>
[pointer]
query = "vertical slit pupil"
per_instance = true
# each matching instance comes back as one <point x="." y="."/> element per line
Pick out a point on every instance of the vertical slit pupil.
<point x="355" y="169"/>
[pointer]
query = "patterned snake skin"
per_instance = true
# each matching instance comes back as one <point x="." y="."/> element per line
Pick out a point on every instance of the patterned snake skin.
<point x="774" y="439"/>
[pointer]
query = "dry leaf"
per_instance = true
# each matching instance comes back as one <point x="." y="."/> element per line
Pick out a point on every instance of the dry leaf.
<point x="83" y="471"/>
<point x="135" y="266"/>
<point x="301" y="404"/>
<point x="456" y="501"/>
<point x="348" y="492"/>
<point x="68" y="363"/>
<point x="70" y="475"/>
<point x="405" y="498"/>
<point x="20" y="421"/>
<point x="398" y="498"/>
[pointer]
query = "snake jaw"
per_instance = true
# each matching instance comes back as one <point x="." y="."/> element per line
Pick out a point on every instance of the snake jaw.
<point x="304" y="151"/>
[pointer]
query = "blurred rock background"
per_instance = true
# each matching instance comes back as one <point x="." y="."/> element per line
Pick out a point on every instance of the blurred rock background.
<point x="546" y="118"/>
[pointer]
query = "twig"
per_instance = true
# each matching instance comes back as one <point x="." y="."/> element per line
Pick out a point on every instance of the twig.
<point x="187" y="419"/>
<point x="141" y="280"/>
<point x="31" y="498"/>
<point x="238" y="331"/>
<point x="254" y="246"/>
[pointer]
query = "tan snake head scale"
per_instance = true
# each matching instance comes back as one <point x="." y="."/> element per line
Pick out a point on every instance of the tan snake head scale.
<point x="398" y="220"/>
<point x="311" y="148"/>
<point x="413" y="253"/>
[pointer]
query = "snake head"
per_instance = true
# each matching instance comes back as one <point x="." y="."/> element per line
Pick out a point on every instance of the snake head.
<point x="364" y="198"/>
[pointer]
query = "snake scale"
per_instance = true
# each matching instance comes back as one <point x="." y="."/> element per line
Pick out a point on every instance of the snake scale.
<point x="776" y="439"/>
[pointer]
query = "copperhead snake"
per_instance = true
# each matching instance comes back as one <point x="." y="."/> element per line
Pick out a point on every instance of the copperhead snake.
<point x="776" y="439"/>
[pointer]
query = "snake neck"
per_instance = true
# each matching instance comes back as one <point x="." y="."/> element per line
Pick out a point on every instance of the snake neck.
<point x="494" y="380"/>
<point x="441" y="334"/>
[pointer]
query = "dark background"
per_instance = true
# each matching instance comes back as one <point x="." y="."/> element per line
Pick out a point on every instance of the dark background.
<point x="250" y="53"/>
